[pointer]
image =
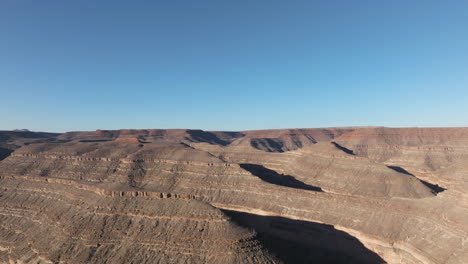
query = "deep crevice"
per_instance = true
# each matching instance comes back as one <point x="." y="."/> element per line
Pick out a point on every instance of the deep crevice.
<point x="273" y="177"/>
<point x="295" y="241"/>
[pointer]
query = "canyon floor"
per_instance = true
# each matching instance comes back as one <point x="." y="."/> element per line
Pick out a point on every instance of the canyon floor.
<point x="331" y="195"/>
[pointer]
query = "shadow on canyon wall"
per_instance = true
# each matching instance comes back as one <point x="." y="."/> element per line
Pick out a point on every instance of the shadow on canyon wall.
<point x="346" y="150"/>
<point x="268" y="144"/>
<point x="434" y="187"/>
<point x="208" y="137"/>
<point x="4" y="152"/>
<point x="273" y="177"/>
<point x="294" y="241"/>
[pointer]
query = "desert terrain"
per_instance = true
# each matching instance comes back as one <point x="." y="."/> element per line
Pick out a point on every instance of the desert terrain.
<point x="331" y="195"/>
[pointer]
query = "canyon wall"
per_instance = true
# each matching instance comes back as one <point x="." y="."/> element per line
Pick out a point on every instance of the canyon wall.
<point x="338" y="195"/>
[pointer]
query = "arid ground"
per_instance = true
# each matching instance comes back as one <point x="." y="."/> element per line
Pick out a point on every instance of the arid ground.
<point x="334" y="195"/>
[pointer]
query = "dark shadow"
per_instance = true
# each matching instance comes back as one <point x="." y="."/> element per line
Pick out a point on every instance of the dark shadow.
<point x="6" y="135"/>
<point x="4" y="153"/>
<point x="400" y="170"/>
<point x="16" y="138"/>
<point x="45" y="140"/>
<point x="48" y="140"/>
<point x="273" y="177"/>
<point x="296" y="141"/>
<point x="294" y="241"/>
<point x="207" y="137"/>
<point x="228" y="136"/>
<point x="310" y="138"/>
<point x="267" y="144"/>
<point x="346" y="150"/>
<point x="95" y="140"/>
<point x="435" y="188"/>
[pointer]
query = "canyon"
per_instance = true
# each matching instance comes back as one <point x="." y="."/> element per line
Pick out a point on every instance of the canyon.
<point x="318" y="195"/>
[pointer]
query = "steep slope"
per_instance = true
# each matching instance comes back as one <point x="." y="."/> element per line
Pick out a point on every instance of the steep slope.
<point x="282" y="140"/>
<point x="52" y="221"/>
<point x="420" y="148"/>
<point x="435" y="155"/>
<point x="327" y="165"/>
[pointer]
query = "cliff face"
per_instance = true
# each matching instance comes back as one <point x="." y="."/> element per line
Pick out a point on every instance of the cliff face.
<point x="343" y="195"/>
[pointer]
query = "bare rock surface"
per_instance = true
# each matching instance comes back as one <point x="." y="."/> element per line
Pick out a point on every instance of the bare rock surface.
<point x="337" y="195"/>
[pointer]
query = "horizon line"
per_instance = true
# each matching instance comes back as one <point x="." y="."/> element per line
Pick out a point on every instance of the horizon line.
<point x="246" y="130"/>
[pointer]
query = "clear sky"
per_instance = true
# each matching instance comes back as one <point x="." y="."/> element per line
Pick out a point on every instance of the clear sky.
<point x="232" y="65"/>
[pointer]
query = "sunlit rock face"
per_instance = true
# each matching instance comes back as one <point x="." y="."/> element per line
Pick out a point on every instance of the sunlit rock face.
<point x="336" y="195"/>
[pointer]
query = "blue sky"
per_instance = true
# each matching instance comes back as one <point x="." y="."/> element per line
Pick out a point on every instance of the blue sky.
<point x="232" y="65"/>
